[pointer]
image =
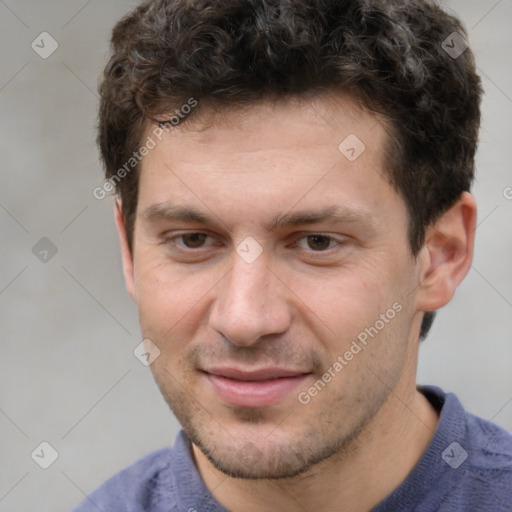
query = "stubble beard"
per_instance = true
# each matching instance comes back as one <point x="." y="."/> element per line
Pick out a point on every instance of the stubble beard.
<point x="292" y="452"/>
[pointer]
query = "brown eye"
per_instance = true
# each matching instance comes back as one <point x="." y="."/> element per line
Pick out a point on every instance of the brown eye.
<point x="318" y="242"/>
<point x="194" y="240"/>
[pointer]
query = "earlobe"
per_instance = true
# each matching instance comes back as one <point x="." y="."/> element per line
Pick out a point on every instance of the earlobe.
<point x="447" y="254"/>
<point x="126" y="253"/>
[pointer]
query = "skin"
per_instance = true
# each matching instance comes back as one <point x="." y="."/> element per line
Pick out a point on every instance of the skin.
<point x="299" y="305"/>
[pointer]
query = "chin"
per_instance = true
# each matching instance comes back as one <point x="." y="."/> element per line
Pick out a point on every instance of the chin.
<point x="266" y="458"/>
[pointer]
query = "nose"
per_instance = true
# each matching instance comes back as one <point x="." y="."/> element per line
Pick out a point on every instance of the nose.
<point x="251" y="303"/>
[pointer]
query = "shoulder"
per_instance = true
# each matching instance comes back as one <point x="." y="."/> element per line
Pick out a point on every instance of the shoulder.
<point x="468" y="465"/>
<point x="133" y="488"/>
<point x="486" y="472"/>
<point x="492" y="444"/>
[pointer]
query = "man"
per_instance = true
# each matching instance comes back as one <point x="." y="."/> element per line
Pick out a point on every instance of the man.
<point x="293" y="205"/>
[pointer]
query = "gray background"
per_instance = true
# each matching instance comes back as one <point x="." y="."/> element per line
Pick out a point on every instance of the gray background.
<point x="68" y="329"/>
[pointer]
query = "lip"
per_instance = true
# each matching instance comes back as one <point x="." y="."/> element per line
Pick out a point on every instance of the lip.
<point x="254" y="388"/>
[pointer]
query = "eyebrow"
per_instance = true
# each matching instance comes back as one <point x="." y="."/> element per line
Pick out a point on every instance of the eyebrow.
<point x="157" y="212"/>
<point x="333" y="214"/>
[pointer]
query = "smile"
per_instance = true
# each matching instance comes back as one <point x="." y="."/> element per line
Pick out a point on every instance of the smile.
<point x="260" y="388"/>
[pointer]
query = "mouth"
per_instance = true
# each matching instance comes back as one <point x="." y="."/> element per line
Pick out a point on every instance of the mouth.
<point x="254" y="388"/>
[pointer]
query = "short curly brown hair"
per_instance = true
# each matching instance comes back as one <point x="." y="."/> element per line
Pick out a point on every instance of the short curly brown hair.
<point x="390" y="54"/>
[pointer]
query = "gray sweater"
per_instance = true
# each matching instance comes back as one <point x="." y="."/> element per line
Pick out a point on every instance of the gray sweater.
<point x="466" y="468"/>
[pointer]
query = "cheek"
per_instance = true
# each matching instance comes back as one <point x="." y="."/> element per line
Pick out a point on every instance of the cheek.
<point x="168" y="299"/>
<point x="341" y="299"/>
<point x="363" y="304"/>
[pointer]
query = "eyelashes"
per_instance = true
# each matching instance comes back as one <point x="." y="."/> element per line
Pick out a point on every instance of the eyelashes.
<point x="199" y="242"/>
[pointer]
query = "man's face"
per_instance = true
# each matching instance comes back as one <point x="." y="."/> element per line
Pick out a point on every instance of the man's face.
<point x="261" y="252"/>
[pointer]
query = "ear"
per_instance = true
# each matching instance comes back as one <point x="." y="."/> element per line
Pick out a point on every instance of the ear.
<point x="446" y="257"/>
<point x="125" y="250"/>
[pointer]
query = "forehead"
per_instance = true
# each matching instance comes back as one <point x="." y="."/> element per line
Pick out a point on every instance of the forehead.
<point x="272" y="155"/>
<point x="326" y="116"/>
